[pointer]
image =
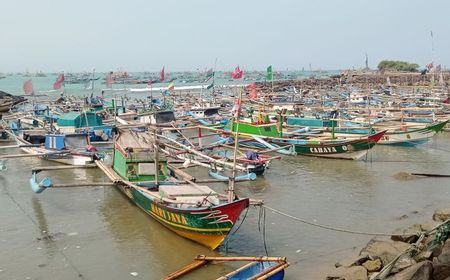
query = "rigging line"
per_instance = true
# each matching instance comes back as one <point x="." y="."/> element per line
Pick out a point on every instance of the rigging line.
<point x="336" y="228"/>
<point x="80" y="275"/>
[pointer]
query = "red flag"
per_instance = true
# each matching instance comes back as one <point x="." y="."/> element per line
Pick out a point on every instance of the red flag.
<point x="430" y="66"/>
<point x="237" y="108"/>
<point x="109" y="80"/>
<point x="162" y="75"/>
<point x="149" y="82"/>
<point x="28" y="87"/>
<point x="237" y="74"/>
<point x="251" y="86"/>
<point x="59" y="81"/>
<point x="253" y="94"/>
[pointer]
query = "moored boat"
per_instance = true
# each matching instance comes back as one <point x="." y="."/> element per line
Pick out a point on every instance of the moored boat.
<point x="193" y="211"/>
<point x="257" y="268"/>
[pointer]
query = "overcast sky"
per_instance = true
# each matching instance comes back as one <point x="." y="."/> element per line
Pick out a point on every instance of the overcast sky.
<point x="139" y="35"/>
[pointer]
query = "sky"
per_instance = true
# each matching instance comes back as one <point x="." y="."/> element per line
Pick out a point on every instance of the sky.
<point x="185" y="35"/>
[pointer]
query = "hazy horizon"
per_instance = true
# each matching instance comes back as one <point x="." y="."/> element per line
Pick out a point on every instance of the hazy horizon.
<point x="141" y="35"/>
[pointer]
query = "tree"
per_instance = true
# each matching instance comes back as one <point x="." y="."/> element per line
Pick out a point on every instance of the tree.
<point x="394" y="65"/>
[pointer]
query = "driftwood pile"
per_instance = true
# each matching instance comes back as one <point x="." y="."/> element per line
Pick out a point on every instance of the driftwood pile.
<point x="428" y="257"/>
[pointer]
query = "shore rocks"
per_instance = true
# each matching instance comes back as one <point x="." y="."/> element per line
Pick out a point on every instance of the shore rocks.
<point x="420" y="271"/>
<point x="386" y="251"/>
<point x="416" y="258"/>
<point x="373" y="265"/>
<point x="441" y="215"/>
<point x="349" y="273"/>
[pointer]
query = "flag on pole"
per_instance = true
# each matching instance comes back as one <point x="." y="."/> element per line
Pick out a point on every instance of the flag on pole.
<point x="162" y="75"/>
<point x="253" y="93"/>
<point x="236" y="108"/>
<point x="109" y="80"/>
<point x="149" y="83"/>
<point x="237" y="74"/>
<point x="430" y="66"/>
<point x="28" y="87"/>
<point x="59" y="81"/>
<point x="210" y="86"/>
<point x="269" y="75"/>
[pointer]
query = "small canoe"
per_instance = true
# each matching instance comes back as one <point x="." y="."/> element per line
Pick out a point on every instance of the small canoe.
<point x="271" y="268"/>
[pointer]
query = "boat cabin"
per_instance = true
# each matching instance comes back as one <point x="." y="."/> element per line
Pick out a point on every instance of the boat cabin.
<point x="71" y="121"/>
<point x="158" y="118"/>
<point x="204" y="112"/>
<point x="134" y="158"/>
<point x="75" y="141"/>
<point x="268" y="129"/>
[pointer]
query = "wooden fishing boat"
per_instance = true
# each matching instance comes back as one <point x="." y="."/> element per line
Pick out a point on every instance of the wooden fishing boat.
<point x="318" y="146"/>
<point x="67" y="149"/>
<point x="257" y="268"/>
<point x="411" y="137"/>
<point x="193" y="211"/>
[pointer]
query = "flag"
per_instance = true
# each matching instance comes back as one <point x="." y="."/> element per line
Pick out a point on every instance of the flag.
<point x="209" y="74"/>
<point x="253" y="94"/>
<point x="162" y="76"/>
<point x="430" y="66"/>
<point x="269" y="75"/>
<point x="28" y="87"/>
<point x="237" y="74"/>
<point x="210" y="86"/>
<point x="109" y="80"/>
<point x="236" y="108"/>
<point x="149" y="82"/>
<point x="59" y="81"/>
<point x="171" y="86"/>
<point x="251" y="86"/>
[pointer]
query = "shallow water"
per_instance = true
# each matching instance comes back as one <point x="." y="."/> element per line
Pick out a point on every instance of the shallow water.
<point x="96" y="233"/>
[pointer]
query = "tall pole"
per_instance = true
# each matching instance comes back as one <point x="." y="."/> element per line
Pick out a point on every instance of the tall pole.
<point x="156" y="155"/>
<point x="93" y="79"/>
<point x="236" y="143"/>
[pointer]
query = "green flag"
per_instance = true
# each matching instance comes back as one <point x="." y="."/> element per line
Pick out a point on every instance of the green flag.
<point x="269" y="75"/>
<point x="210" y="86"/>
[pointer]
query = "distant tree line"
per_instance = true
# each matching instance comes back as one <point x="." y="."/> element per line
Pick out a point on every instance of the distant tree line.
<point x="393" y="65"/>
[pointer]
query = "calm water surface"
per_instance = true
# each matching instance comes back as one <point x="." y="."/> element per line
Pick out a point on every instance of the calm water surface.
<point x="98" y="234"/>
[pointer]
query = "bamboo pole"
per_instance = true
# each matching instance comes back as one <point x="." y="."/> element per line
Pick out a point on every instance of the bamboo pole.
<point x="51" y="168"/>
<point x="238" y="258"/>
<point x="32" y="155"/>
<point x="223" y="163"/>
<point x="185" y="270"/>
<point x="92" y="184"/>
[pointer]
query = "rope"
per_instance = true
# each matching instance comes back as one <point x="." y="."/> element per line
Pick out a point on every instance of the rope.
<point x="335" y="228"/>
<point x="262" y="214"/>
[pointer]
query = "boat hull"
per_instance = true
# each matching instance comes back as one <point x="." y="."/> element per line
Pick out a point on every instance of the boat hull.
<point x="351" y="149"/>
<point x="412" y="137"/>
<point x="207" y="226"/>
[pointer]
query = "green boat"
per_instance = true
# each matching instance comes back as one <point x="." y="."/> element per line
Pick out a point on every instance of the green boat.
<point x="270" y="136"/>
<point x="193" y="211"/>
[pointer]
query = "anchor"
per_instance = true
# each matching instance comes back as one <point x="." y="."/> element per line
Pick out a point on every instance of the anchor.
<point x="41" y="186"/>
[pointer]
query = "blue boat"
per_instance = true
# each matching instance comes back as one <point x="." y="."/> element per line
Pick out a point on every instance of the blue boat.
<point x="271" y="268"/>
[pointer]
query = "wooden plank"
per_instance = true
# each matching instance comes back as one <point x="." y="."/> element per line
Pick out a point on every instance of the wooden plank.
<point x="186" y="176"/>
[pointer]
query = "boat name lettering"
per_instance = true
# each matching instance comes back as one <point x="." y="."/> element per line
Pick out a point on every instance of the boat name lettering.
<point x="321" y="150"/>
<point x="169" y="216"/>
